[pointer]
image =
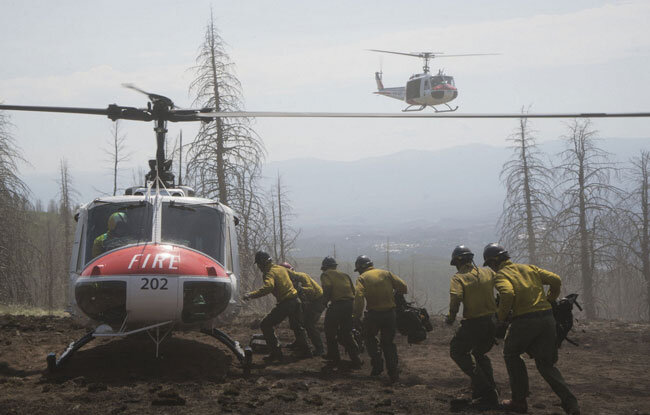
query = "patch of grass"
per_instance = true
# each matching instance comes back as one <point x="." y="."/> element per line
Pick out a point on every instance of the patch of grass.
<point x="23" y="310"/>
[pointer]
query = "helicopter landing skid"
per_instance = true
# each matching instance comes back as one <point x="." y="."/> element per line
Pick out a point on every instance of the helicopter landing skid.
<point x="419" y="108"/>
<point x="448" y="110"/>
<point x="102" y="331"/>
<point x="245" y="355"/>
<point x="53" y="363"/>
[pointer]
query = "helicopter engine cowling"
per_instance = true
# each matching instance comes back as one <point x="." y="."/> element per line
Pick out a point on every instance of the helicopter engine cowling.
<point x="152" y="283"/>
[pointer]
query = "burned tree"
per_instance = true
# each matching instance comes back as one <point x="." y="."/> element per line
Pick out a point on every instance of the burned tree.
<point x="283" y="234"/>
<point x="116" y="152"/>
<point x="225" y="159"/>
<point x="632" y="235"/>
<point x="585" y="172"/>
<point x="528" y="203"/>
<point x="15" y="250"/>
<point x="225" y="146"/>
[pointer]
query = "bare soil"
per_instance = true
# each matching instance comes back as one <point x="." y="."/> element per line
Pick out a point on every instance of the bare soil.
<point x="609" y="373"/>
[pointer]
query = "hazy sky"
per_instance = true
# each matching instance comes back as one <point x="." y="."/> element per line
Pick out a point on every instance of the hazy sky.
<point x="310" y="56"/>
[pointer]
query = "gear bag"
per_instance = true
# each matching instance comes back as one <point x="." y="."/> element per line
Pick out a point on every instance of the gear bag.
<point x="563" y="313"/>
<point x="412" y="322"/>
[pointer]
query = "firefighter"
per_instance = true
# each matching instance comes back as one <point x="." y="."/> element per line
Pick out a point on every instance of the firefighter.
<point x="377" y="287"/>
<point x="311" y="296"/>
<point x="117" y="227"/>
<point x="532" y="329"/>
<point x="474" y="288"/>
<point x="277" y="282"/>
<point x="338" y="291"/>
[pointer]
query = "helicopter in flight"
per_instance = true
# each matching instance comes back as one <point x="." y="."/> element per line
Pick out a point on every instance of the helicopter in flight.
<point x="424" y="89"/>
<point x="155" y="259"/>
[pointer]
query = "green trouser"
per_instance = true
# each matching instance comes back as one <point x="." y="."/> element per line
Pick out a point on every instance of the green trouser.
<point x="311" y="312"/>
<point x="384" y="324"/>
<point x="291" y="309"/>
<point x="534" y="334"/>
<point x="475" y="337"/>
<point x="338" y="326"/>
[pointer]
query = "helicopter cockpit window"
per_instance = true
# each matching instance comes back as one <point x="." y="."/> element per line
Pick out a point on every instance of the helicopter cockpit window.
<point x="113" y="225"/>
<point x="195" y="226"/>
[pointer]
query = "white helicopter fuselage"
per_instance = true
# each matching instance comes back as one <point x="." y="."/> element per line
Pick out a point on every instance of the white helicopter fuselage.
<point x="178" y="264"/>
<point x="423" y="89"/>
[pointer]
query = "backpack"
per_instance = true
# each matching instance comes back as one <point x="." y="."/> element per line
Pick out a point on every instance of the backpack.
<point x="563" y="313"/>
<point x="412" y="322"/>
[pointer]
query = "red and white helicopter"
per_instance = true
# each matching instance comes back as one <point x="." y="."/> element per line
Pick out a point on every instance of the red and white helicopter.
<point x="157" y="258"/>
<point x="424" y="90"/>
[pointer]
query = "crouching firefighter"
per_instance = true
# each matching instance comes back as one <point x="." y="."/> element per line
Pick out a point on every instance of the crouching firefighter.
<point x="532" y="329"/>
<point x="276" y="281"/>
<point x="474" y="288"/>
<point x="338" y="291"/>
<point x="311" y="296"/>
<point x="377" y="287"/>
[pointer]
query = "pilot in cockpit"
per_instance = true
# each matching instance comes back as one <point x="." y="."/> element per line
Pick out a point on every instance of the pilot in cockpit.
<point x="117" y="230"/>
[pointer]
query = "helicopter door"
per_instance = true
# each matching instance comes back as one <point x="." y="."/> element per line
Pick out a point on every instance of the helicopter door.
<point x="413" y="89"/>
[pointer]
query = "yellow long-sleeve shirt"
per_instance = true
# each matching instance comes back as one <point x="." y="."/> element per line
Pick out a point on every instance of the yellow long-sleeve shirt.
<point x="521" y="289"/>
<point x="310" y="288"/>
<point x="376" y="287"/>
<point x="337" y="286"/>
<point x="276" y="282"/>
<point x="474" y="288"/>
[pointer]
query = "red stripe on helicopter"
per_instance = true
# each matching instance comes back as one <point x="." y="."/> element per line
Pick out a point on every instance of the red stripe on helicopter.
<point x="154" y="260"/>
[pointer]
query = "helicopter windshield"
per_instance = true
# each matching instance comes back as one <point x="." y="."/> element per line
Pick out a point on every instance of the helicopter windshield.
<point x="112" y="225"/>
<point x="442" y="79"/>
<point x="195" y="226"/>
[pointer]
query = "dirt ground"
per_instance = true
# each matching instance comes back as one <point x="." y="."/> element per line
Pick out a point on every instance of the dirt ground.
<point x="609" y="373"/>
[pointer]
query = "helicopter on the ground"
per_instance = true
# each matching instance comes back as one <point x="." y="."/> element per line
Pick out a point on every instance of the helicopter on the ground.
<point x="157" y="258"/>
<point x="424" y="90"/>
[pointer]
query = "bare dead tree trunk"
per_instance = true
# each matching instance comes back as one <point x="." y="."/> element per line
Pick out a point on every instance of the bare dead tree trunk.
<point x="274" y="227"/>
<point x="280" y="221"/>
<point x="527" y="209"/>
<point x="65" y="213"/>
<point x="116" y="152"/>
<point x="586" y="193"/>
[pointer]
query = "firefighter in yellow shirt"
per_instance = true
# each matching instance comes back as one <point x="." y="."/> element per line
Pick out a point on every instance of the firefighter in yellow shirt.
<point x="377" y="287"/>
<point x="532" y="329"/>
<point x="474" y="288"/>
<point x="277" y="282"/>
<point x="338" y="291"/>
<point x="311" y="296"/>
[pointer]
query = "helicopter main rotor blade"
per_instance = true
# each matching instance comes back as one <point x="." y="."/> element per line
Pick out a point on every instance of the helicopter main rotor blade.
<point x="417" y="55"/>
<point x="269" y="114"/>
<point x="467" y="54"/>
<point x="70" y="110"/>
